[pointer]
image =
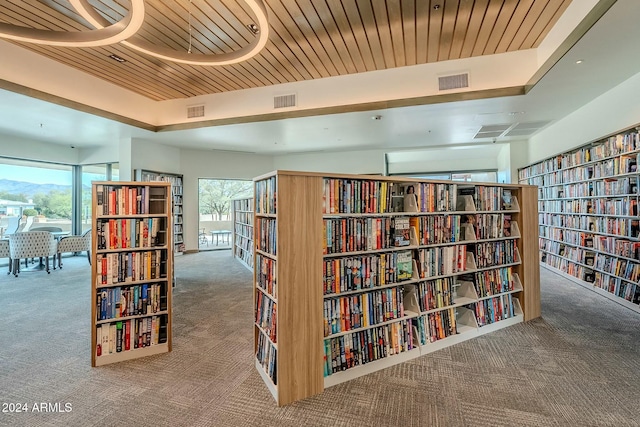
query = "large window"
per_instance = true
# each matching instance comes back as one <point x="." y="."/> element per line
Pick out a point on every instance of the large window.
<point x="45" y="191"/>
<point x="39" y="190"/>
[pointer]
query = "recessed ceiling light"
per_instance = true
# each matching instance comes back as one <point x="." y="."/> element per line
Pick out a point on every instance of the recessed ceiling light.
<point x="117" y="58"/>
<point x="436" y="6"/>
<point x="376" y="117"/>
<point x="579" y="61"/>
<point x="253" y="28"/>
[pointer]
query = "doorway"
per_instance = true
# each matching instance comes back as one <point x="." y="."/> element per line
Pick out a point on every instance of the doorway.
<point x="215" y="223"/>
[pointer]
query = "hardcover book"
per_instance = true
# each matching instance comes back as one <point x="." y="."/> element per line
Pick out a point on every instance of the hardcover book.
<point x="401" y="235"/>
<point x="405" y="265"/>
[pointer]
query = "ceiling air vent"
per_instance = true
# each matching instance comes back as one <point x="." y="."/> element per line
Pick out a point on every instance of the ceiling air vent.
<point x="284" y="101"/>
<point x="455" y="81"/>
<point x="195" y="111"/>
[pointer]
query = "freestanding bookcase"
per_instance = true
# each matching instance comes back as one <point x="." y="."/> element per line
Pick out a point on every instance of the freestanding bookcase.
<point x="131" y="270"/>
<point x="354" y="274"/>
<point x="242" y="211"/>
<point x="176" y="205"/>
<point x="589" y="223"/>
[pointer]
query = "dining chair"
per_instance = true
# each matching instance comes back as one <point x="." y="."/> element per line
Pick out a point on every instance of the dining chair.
<point x="75" y="244"/>
<point x="28" y="224"/>
<point x="13" y="225"/>
<point x="31" y="244"/>
<point x="4" y="252"/>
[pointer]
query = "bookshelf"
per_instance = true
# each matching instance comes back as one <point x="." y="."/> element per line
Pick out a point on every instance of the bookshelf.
<point x="354" y="274"/>
<point x="176" y="205"/>
<point x="131" y="267"/>
<point x="242" y="209"/>
<point x="588" y="222"/>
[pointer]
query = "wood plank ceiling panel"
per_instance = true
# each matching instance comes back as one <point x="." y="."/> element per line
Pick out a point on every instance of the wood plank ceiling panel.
<point x="449" y="18"/>
<point x="337" y="24"/>
<point x="359" y="15"/>
<point x="409" y="27"/>
<point x="308" y="39"/>
<point x="463" y="23"/>
<point x="473" y="30"/>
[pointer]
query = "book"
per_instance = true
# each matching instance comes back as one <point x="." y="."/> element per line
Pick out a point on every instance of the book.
<point x="401" y="235"/>
<point x="507" y="203"/>
<point x="506" y="225"/>
<point x="405" y="265"/>
<point x="589" y="258"/>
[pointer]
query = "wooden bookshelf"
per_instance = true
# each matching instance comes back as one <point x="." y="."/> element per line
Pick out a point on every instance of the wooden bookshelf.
<point x="303" y="343"/>
<point x="131" y="270"/>
<point x="176" y="205"/>
<point x="588" y="204"/>
<point x="242" y="242"/>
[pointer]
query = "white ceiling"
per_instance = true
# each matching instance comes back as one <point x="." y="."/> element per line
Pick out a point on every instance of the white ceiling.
<point x="609" y="51"/>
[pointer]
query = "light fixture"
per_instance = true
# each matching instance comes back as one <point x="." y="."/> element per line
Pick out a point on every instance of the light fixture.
<point x="253" y="28"/>
<point x="105" y="35"/>
<point x="579" y="61"/>
<point x="124" y="32"/>
<point x="376" y="117"/>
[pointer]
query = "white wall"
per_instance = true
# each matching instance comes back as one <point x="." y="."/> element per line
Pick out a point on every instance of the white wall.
<point x="155" y="157"/>
<point x="518" y="156"/>
<point x="11" y="146"/>
<point x="195" y="164"/>
<point x="93" y="155"/>
<point x="611" y="112"/>
<point x="357" y="162"/>
<point x="445" y="159"/>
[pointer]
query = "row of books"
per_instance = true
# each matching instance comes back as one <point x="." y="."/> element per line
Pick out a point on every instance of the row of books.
<point x="362" y="310"/>
<point x="266" y="275"/>
<point x="245" y="205"/>
<point x="358" y="348"/>
<point x="124" y="301"/>
<point x="244" y="230"/>
<point x="364" y="234"/>
<point x="266" y="316"/>
<point x="266" y="235"/>
<point x="128" y="335"/>
<point x="371" y="196"/>
<point x="441" y="324"/>
<point x="122" y="267"/>
<point x="244" y="218"/>
<point x="493" y="310"/>
<point x="618" y="287"/>
<point x="618" y="267"/>
<point x="128" y="200"/>
<point x="267" y="356"/>
<point x="441" y="260"/>
<point x="130" y="233"/>
<point x="589" y="206"/>
<point x="432" y="294"/>
<point x="365" y="271"/>
<point x="438" y="229"/>
<point x="624" y="227"/>
<point x="265" y="196"/>
<point x="491" y="282"/>
<point x="624" y="143"/>
<point x="489" y="254"/>
<point x="580" y="271"/>
<point x="244" y="254"/>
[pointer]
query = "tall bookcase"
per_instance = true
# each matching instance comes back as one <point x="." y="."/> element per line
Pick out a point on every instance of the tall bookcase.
<point x="354" y="274"/>
<point x="242" y="209"/>
<point x="177" y="208"/>
<point x="588" y="203"/>
<point x="131" y="267"/>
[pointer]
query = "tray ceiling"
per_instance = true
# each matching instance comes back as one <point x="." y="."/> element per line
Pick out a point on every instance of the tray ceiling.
<point x="308" y="39"/>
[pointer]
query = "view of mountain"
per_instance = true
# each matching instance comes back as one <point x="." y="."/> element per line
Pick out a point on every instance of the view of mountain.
<point x="29" y="189"/>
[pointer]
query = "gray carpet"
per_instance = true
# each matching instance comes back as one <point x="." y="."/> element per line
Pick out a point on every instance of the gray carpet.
<point x="577" y="366"/>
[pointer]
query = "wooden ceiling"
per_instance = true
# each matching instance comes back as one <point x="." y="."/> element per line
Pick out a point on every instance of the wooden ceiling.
<point x="308" y="39"/>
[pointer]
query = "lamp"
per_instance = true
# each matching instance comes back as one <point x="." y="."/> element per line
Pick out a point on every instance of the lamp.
<point x="124" y="32"/>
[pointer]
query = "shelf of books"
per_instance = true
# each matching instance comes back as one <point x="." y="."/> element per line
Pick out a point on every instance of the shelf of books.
<point x="132" y="265"/>
<point x="243" y="230"/>
<point x="355" y="274"/>
<point x="176" y="205"/>
<point x="588" y="220"/>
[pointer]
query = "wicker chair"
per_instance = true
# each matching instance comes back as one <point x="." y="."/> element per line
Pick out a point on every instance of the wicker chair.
<point x="75" y="244"/>
<point x="32" y="244"/>
<point x="4" y="252"/>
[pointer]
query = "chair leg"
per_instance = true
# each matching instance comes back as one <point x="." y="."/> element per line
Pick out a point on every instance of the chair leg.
<point x="10" y="265"/>
<point x="16" y="267"/>
<point x="89" y="256"/>
<point x="47" y="264"/>
<point x="59" y="260"/>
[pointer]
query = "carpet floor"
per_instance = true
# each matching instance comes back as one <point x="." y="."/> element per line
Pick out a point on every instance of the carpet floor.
<point x="578" y="365"/>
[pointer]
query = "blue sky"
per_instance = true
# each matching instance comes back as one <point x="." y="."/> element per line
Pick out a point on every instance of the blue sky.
<point x="41" y="175"/>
